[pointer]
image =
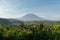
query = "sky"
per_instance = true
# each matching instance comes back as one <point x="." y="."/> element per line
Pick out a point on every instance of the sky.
<point x="47" y="9"/>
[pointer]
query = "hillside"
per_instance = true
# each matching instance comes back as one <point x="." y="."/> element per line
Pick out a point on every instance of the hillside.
<point x="5" y="22"/>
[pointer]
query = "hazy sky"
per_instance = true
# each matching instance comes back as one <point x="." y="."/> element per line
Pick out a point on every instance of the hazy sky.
<point x="47" y="9"/>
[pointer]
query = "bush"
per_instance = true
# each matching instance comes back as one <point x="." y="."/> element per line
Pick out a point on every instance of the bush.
<point x="33" y="33"/>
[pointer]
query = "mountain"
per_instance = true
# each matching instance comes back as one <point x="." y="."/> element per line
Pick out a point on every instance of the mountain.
<point x="31" y="17"/>
<point x="5" y="22"/>
<point x="15" y="21"/>
<point x="9" y="22"/>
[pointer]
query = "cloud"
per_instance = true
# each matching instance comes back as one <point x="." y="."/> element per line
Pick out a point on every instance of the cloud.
<point x="8" y="10"/>
<point x="18" y="8"/>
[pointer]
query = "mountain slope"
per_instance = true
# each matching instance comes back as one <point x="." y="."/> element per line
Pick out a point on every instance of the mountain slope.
<point x="5" y="22"/>
<point x="30" y="17"/>
<point x="9" y="22"/>
<point x="15" y="21"/>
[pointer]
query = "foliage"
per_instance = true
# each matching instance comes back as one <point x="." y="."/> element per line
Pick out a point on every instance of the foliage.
<point x="33" y="33"/>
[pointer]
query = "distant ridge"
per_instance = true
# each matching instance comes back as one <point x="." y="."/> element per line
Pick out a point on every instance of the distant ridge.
<point x="30" y="17"/>
<point x="5" y="21"/>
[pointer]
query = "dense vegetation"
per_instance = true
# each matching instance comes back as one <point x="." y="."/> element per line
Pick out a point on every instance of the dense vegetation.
<point x="43" y="32"/>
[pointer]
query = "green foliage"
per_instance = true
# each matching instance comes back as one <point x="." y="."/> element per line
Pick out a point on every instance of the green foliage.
<point x="33" y="33"/>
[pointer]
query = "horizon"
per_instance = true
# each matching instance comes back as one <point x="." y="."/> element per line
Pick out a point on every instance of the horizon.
<point x="47" y="9"/>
